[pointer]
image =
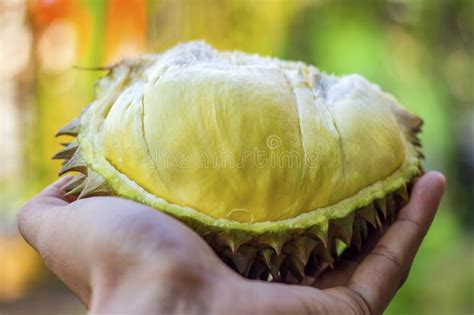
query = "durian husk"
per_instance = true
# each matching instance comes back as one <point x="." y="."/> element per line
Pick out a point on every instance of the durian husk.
<point x="285" y="252"/>
<point x="286" y="257"/>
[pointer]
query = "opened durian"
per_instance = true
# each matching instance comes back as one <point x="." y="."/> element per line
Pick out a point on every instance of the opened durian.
<point x="272" y="162"/>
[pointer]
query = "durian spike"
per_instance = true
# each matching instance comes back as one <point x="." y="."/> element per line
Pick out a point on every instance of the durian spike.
<point x="391" y="208"/>
<point x="210" y="238"/>
<point x="333" y="247"/>
<point x="368" y="213"/>
<point x="382" y="206"/>
<point x="308" y="244"/>
<point x="75" y="163"/>
<point x="71" y="129"/>
<point x="416" y="141"/>
<point x="342" y="228"/>
<point x="403" y="193"/>
<point x="200" y="229"/>
<point x="76" y="190"/>
<point x="287" y="274"/>
<point x="411" y="122"/>
<point x="273" y="261"/>
<point x="243" y="259"/>
<point x="412" y="137"/>
<point x="94" y="184"/>
<point x="258" y="267"/>
<point x="322" y="252"/>
<point x="66" y="152"/>
<point x="311" y="266"/>
<point x="320" y="231"/>
<point x="378" y="222"/>
<point x="364" y="229"/>
<point x="275" y="241"/>
<point x="301" y="248"/>
<point x="228" y="256"/>
<point x="356" y="234"/>
<point x="266" y="256"/>
<point x="295" y="266"/>
<point x="234" y="239"/>
<point x="74" y="182"/>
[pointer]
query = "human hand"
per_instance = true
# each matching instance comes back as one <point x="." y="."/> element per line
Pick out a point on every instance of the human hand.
<point x="119" y="256"/>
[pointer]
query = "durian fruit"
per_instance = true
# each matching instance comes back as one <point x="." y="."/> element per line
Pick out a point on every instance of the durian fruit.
<point x="274" y="163"/>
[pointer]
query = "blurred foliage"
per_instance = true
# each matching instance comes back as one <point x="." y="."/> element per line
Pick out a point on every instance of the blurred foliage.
<point x="420" y="51"/>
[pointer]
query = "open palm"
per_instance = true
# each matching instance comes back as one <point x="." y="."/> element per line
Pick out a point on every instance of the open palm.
<point x="122" y="257"/>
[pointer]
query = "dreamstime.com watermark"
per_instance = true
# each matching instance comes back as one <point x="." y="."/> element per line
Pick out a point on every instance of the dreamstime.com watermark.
<point x="270" y="157"/>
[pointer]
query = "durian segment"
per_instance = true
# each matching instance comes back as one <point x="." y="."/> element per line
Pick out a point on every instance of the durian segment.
<point x="194" y="101"/>
<point x="93" y="120"/>
<point x="281" y="250"/>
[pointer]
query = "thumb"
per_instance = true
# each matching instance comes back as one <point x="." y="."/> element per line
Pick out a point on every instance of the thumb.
<point x="31" y="216"/>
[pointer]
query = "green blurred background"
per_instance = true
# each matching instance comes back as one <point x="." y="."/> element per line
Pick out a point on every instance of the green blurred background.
<point x="420" y="51"/>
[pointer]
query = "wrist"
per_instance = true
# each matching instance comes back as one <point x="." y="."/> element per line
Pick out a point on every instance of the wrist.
<point x="163" y="288"/>
<point x="123" y="294"/>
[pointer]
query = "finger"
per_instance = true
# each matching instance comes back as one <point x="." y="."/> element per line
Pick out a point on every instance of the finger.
<point x="381" y="274"/>
<point x="350" y="259"/>
<point x="31" y="214"/>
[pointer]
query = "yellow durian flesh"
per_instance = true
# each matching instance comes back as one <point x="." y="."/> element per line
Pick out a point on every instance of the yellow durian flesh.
<point x="250" y="139"/>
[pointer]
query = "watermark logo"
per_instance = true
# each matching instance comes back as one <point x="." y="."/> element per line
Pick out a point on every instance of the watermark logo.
<point x="273" y="156"/>
<point x="273" y="142"/>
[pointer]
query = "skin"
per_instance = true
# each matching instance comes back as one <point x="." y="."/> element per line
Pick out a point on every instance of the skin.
<point x="121" y="257"/>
